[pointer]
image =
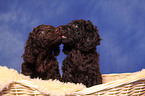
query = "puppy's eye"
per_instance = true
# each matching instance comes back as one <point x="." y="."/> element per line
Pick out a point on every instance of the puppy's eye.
<point x="77" y="26"/>
<point x="41" y="32"/>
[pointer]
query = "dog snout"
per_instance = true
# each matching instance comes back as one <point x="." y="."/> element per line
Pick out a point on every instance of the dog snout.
<point x="57" y="30"/>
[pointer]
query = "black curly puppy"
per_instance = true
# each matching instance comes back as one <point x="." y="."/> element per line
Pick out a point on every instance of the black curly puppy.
<point x="39" y="57"/>
<point x="80" y="39"/>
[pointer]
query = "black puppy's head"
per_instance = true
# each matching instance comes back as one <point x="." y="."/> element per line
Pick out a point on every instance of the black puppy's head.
<point x="44" y="36"/>
<point x="81" y="34"/>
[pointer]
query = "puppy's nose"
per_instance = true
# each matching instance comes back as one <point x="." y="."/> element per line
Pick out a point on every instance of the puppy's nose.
<point x="57" y="30"/>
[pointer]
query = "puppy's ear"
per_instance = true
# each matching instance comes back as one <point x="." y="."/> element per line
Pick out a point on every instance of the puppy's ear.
<point x="29" y="55"/>
<point x="90" y="41"/>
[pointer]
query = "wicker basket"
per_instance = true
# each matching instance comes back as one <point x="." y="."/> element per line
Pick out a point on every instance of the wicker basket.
<point x="21" y="89"/>
<point x="125" y="84"/>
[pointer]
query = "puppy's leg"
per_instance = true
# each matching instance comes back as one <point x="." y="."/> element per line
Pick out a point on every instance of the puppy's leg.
<point x="89" y="71"/>
<point x="53" y="71"/>
<point x="27" y="69"/>
<point x="67" y="68"/>
<point x="90" y="77"/>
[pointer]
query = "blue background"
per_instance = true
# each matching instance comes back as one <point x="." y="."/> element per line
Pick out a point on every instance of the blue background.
<point x="121" y="24"/>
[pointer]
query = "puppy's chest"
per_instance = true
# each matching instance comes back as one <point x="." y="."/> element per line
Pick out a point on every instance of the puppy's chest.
<point x="78" y="58"/>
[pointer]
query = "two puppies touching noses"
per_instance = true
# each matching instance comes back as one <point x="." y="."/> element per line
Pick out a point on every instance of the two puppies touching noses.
<point x="79" y="39"/>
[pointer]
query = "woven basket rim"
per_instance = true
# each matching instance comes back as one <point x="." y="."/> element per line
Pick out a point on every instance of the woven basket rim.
<point x="134" y="77"/>
<point x="128" y="78"/>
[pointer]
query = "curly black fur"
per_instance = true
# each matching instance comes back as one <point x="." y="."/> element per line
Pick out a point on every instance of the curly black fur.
<point x="39" y="57"/>
<point x="80" y="39"/>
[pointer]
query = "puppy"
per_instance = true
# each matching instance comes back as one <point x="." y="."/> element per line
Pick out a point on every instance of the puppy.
<point x="80" y="39"/>
<point x="41" y="50"/>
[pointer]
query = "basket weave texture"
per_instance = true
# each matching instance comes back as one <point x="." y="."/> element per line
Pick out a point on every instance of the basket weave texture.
<point x="18" y="89"/>
<point x="125" y="84"/>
